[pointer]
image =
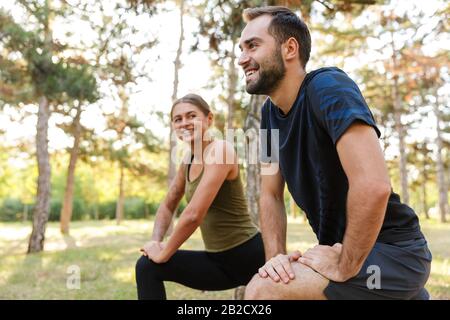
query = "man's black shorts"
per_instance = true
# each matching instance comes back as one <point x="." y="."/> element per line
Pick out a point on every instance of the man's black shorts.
<point x="391" y="271"/>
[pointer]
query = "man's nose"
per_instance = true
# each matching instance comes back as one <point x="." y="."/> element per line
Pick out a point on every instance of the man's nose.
<point x="243" y="59"/>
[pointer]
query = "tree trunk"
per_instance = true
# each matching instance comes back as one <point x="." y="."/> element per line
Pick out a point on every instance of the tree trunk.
<point x="94" y="177"/>
<point x="42" y="208"/>
<point x="239" y="293"/>
<point x="172" y="139"/>
<point x="25" y="212"/>
<point x="424" y="151"/>
<point x="252" y="121"/>
<point x="177" y="67"/>
<point x="121" y="200"/>
<point x="402" y="152"/>
<point x="66" y="210"/>
<point x="442" y="184"/>
<point x="232" y="83"/>
<point x="292" y="206"/>
<point x="424" y="200"/>
<point x="400" y="130"/>
<point x="253" y="176"/>
<point x="253" y="170"/>
<point x="146" y="213"/>
<point x="96" y="213"/>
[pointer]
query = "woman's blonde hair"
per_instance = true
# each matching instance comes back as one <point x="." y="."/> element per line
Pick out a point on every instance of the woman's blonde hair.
<point x="195" y="100"/>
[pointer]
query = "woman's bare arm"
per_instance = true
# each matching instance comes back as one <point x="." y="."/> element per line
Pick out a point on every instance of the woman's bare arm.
<point x="213" y="177"/>
<point x="167" y="208"/>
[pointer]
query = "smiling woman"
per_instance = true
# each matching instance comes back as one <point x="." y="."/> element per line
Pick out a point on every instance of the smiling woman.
<point x="187" y="116"/>
<point x="216" y="203"/>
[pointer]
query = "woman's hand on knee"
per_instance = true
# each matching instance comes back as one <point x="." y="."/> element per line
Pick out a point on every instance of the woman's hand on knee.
<point x="151" y="246"/>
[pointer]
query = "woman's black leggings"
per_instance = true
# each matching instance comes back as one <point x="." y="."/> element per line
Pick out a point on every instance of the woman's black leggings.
<point x="200" y="269"/>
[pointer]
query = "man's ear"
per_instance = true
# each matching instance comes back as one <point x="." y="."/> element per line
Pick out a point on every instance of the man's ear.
<point x="291" y="49"/>
<point x="210" y="118"/>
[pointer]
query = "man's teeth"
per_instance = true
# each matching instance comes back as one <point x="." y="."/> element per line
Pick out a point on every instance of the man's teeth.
<point x="249" y="73"/>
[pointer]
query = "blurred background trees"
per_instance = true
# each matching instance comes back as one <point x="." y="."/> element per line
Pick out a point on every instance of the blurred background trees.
<point x="86" y="87"/>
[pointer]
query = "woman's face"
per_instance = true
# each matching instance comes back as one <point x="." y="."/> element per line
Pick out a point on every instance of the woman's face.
<point x="189" y="122"/>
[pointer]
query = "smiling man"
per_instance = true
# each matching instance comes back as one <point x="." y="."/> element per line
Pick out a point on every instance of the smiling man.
<point x="370" y="244"/>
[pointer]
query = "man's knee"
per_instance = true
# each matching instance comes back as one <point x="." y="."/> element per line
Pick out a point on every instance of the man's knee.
<point x="307" y="285"/>
<point x="255" y="288"/>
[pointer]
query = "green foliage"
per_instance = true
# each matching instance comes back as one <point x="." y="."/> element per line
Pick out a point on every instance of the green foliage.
<point x="79" y="211"/>
<point x="75" y="81"/>
<point x="134" y="208"/>
<point x="107" y="210"/>
<point x="40" y="65"/>
<point x="11" y="209"/>
<point x="94" y="188"/>
<point x="31" y="63"/>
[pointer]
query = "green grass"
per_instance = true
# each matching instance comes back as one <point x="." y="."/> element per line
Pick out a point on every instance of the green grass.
<point x="106" y="255"/>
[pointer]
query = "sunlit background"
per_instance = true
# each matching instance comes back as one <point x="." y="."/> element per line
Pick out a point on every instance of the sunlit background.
<point x="107" y="70"/>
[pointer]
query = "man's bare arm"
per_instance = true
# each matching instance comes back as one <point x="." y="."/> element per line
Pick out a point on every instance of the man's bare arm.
<point x="273" y="220"/>
<point x="369" y="189"/>
<point x="166" y="209"/>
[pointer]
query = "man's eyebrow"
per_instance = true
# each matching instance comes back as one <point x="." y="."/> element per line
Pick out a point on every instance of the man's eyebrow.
<point x="250" y="40"/>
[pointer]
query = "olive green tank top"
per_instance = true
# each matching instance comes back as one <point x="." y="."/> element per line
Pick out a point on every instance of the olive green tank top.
<point x="227" y="223"/>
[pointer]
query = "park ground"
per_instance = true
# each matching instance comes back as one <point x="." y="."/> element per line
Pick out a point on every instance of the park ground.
<point x="106" y="254"/>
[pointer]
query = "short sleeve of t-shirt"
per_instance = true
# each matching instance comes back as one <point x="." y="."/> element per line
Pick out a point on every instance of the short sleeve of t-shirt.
<point x="337" y="102"/>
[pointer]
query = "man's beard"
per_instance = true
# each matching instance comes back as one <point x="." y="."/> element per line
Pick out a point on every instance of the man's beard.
<point x="271" y="72"/>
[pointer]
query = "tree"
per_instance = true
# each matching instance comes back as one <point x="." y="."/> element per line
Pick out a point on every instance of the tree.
<point x="123" y="73"/>
<point x="393" y="78"/>
<point x="66" y="210"/>
<point x="177" y="66"/>
<point x="398" y="22"/>
<point x="220" y="25"/>
<point x="427" y="74"/>
<point x="252" y="123"/>
<point x="108" y="38"/>
<point x="51" y="78"/>
<point x="442" y="183"/>
<point x="420" y="156"/>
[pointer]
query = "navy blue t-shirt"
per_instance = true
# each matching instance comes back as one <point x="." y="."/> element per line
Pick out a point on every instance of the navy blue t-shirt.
<point x="328" y="102"/>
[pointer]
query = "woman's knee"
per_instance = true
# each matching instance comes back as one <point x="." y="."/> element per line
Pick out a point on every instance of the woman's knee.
<point x="144" y="266"/>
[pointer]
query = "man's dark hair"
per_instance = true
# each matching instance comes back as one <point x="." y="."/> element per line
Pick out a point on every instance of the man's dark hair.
<point x="284" y="25"/>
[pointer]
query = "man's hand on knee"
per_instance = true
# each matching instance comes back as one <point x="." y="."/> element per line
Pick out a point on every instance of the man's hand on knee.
<point x="325" y="260"/>
<point x="279" y="267"/>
